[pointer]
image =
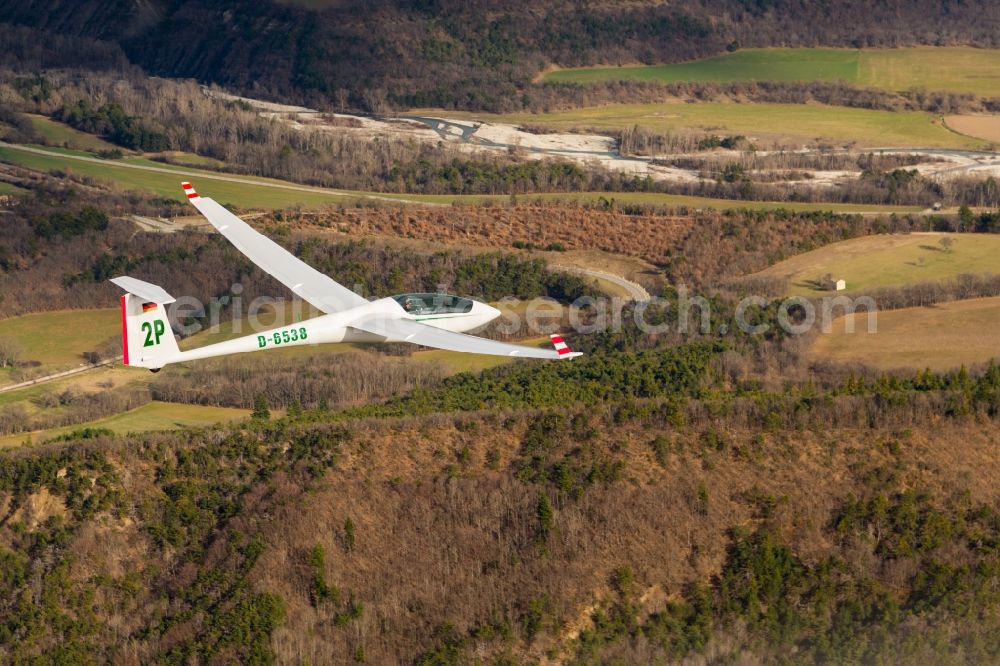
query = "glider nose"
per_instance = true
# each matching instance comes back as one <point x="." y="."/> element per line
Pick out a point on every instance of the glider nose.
<point x="488" y="312"/>
<point x="482" y="314"/>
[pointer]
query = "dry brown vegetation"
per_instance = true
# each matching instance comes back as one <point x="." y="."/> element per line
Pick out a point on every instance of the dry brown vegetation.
<point x="69" y="406"/>
<point x="310" y="379"/>
<point x="649" y="236"/>
<point x="942" y="336"/>
<point x="697" y="247"/>
<point x="163" y="115"/>
<point x="444" y="548"/>
<point x="713" y="164"/>
<point x="444" y="539"/>
<point x="981" y="126"/>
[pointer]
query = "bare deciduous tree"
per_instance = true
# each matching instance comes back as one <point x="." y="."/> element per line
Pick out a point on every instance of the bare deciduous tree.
<point x="10" y="352"/>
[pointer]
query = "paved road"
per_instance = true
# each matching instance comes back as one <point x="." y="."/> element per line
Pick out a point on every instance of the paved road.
<point x="202" y="175"/>
<point x="58" y="375"/>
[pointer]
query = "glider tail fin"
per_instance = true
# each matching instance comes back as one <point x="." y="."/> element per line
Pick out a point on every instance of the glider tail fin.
<point x="147" y="339"/>
<point x="562" y="347"/>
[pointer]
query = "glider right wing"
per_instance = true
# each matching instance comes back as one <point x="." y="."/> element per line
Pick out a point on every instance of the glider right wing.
<point x="305" y="281"/>
<point x="407" y="330"/>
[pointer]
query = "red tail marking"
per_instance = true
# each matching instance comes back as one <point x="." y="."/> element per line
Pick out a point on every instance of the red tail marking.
<point x="124" y="334"/>
<point x="560" y="346"/>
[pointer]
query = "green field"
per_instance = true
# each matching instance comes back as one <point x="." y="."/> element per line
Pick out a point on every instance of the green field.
<point x="58" y="339"/>
<point x="59" y="134"/>
<point x="941" y="337"/>
<point x="164" y="180"/>
<point x="191" y="159"/>
<point x="151" y="416"/>
<point x="7" y="188"/>
<point x="840" y="126"/>
<point x="953" y="69"/>
<point x="140" y="173"/>
<point x="890" y="260"/>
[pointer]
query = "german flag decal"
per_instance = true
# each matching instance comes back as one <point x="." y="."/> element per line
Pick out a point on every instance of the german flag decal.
<point x="146" y="307"/>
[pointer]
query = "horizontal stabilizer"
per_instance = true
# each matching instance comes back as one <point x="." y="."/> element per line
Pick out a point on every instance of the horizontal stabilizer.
<point x="144" y="290"/>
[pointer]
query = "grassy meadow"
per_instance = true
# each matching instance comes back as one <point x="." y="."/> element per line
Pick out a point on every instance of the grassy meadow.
<point x="952" y="69"/>
<point x="8" y="188"/>
<point x="164" y="180"/>
<point x="58" y="339"/>
<point x="841" y="126"/>
<point x="939" y="337"/>
<point x="60" y="134"/>
<point x="890" y="260"/>
<point x="151" y="416"/>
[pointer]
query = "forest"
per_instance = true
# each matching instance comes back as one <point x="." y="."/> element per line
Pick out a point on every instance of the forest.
<point x="471" y="55"/>
<point x="257" y="542"/>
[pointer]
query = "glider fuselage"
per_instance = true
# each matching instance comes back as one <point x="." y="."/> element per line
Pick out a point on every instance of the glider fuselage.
<point x="336" y="327"/>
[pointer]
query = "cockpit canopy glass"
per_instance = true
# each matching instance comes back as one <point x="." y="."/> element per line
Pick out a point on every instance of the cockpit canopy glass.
<point x="433" y="304"/>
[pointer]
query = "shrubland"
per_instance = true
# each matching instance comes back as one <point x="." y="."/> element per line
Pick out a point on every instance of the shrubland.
<point x="694" y="248"/>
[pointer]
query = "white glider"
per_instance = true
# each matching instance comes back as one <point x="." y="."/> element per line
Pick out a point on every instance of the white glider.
<point x="431" y="320"/>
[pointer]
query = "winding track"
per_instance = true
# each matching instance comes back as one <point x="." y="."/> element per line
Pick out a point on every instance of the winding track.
<point x="636" y="292"/>
<point x="58" y="375"/>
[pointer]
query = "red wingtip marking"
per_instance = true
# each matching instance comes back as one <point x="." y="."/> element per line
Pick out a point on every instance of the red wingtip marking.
<point x="189" y="190"/>
<point x="124" y="333"/>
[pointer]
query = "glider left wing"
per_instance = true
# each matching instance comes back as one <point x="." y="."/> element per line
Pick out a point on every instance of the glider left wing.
<point x="407" y="330"/>
<point x="305" y="281"/>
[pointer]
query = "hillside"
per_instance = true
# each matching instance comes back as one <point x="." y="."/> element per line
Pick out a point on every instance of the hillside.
<point x="941" y="337"/>
<point x="840" y="528"/>
<point x="889" y="261"/>
<point x="474" y="55"/>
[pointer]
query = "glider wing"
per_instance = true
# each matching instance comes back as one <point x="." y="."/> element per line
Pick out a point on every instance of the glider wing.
<point x="305" y="281"/>
<point x="407" y="330"/>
